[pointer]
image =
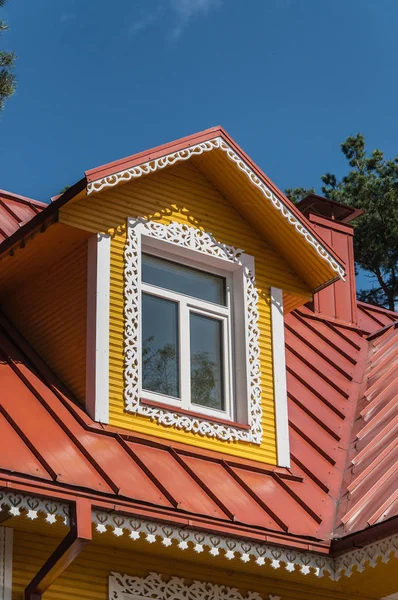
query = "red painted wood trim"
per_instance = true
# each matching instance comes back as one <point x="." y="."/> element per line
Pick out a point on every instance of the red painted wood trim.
<point x="80" y="534"/>
<point x="192" y="413"/>
<point x="167" y="515"/>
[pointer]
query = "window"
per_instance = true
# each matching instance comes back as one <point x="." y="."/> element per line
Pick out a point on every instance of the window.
<point x="191" y="335"/>
<point x="186" y="336"/>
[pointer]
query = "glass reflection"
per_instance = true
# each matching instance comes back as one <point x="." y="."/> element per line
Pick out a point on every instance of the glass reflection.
<point x="160" y="354"/>
<point x="182" y="279"/>
<point x="206" y="362"/>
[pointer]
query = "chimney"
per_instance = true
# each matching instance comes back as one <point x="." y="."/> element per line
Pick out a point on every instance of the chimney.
<point x="336" y="302"/>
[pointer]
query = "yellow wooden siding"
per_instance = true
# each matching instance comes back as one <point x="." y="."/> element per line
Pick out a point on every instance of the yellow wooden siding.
<point x="50" y="312"/>
<point x="87" y="577"/>
<point x="184" y="195"/>
<point x="266" y="219"/>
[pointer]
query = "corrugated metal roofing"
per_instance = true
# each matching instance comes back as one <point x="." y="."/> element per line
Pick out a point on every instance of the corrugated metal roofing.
<point x="77" y="454"/>
<point x="325" y="363"/>
<point x="343" y="411"/>
<point x="16" y="210"/>
<point x="370" y="493"/>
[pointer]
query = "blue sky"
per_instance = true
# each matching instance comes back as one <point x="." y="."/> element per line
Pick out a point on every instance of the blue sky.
<point x="288" y="79"/>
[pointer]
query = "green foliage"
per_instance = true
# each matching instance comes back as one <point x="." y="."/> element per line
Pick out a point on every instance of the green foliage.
<point x="297" y="194"/>
<point x="160" y="373"/>
<point x="371" y="184"/>
<point x="66" y="187"/>
<point x="7" y="62"/>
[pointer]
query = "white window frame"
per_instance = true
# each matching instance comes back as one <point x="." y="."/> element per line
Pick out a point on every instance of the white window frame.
<point x="186" y="306"/>
<point x="191" y="244"/>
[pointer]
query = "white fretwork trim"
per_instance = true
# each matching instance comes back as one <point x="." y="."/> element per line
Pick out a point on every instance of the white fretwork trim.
<point x="181" y="155"/>
<point x="231" y="548"/>
<point x="32" y="506"/>
<point x="367" y="556"/>
<point x="203" y="242"/>
<point x="6" y="563"/>
<point x="215" y="545"/>
<point x="153" y="586"/>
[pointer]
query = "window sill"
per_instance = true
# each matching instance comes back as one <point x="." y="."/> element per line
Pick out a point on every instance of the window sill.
<point x="192" y="413"/>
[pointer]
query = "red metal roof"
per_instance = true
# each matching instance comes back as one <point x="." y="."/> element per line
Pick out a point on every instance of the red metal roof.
<point x="370" y="493"/>
<point x="372" y="318"/>
<point x="343" y="413"/>
<point x="15" y="211"/>
<point x="76" y="454"/>
<point x="325" y="366"/>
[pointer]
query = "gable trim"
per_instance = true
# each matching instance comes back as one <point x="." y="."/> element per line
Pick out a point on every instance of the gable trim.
<point x="184" y="154"/>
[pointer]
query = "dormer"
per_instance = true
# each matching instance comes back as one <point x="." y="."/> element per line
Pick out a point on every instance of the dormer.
<point x="156" y="286"/>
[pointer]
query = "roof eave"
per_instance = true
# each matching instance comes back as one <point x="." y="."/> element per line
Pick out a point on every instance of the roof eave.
<point x="100" y="174"/>
<point x="48" y="214"/>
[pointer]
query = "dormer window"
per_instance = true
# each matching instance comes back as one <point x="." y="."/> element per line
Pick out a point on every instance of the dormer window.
<point x="186" y="335"/>
<point x="191" y="343"/>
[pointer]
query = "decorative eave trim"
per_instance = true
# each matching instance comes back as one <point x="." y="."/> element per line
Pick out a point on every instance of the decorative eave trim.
<point x="215" y="545"/>
<point x="33" y="507"/>
<point x="232" y="548"/>
<point x="192" y="239"/>
<point x="368" y="555"/>
<point x="157" y="164"/>
<point x="122" y="586"/>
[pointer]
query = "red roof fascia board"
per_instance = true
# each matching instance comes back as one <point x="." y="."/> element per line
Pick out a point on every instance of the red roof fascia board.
<point x="152" y="154"/>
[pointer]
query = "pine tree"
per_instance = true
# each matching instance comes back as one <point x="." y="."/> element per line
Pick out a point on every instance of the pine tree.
<point x="372" y="185"/>
<point x="7" y="62"/>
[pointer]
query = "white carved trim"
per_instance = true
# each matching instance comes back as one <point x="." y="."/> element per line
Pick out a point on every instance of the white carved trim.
<point x="98" y="289"/>
<point x="279" y="368"/>
<point x="126" y="587"/>
<point x="216" y="545"/>
<point x="152" y="166"/>
<point x="367" y="556"/>
<point x="5" y="563"/>
<point x="170" y="535"/>
<point x="32" y="507"/>
<point x="197" y="241"/>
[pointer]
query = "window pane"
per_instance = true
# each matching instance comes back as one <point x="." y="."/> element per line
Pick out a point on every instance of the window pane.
<point x="160" y="354"/>
<point x="206" y="362"/>
<point x="178" y="278"/>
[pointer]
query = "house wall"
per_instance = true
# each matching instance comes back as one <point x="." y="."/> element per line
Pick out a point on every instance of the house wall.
<point x="87" y="577"/>
<point x="49" y="310"/>
<point x="184" y="195"/>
